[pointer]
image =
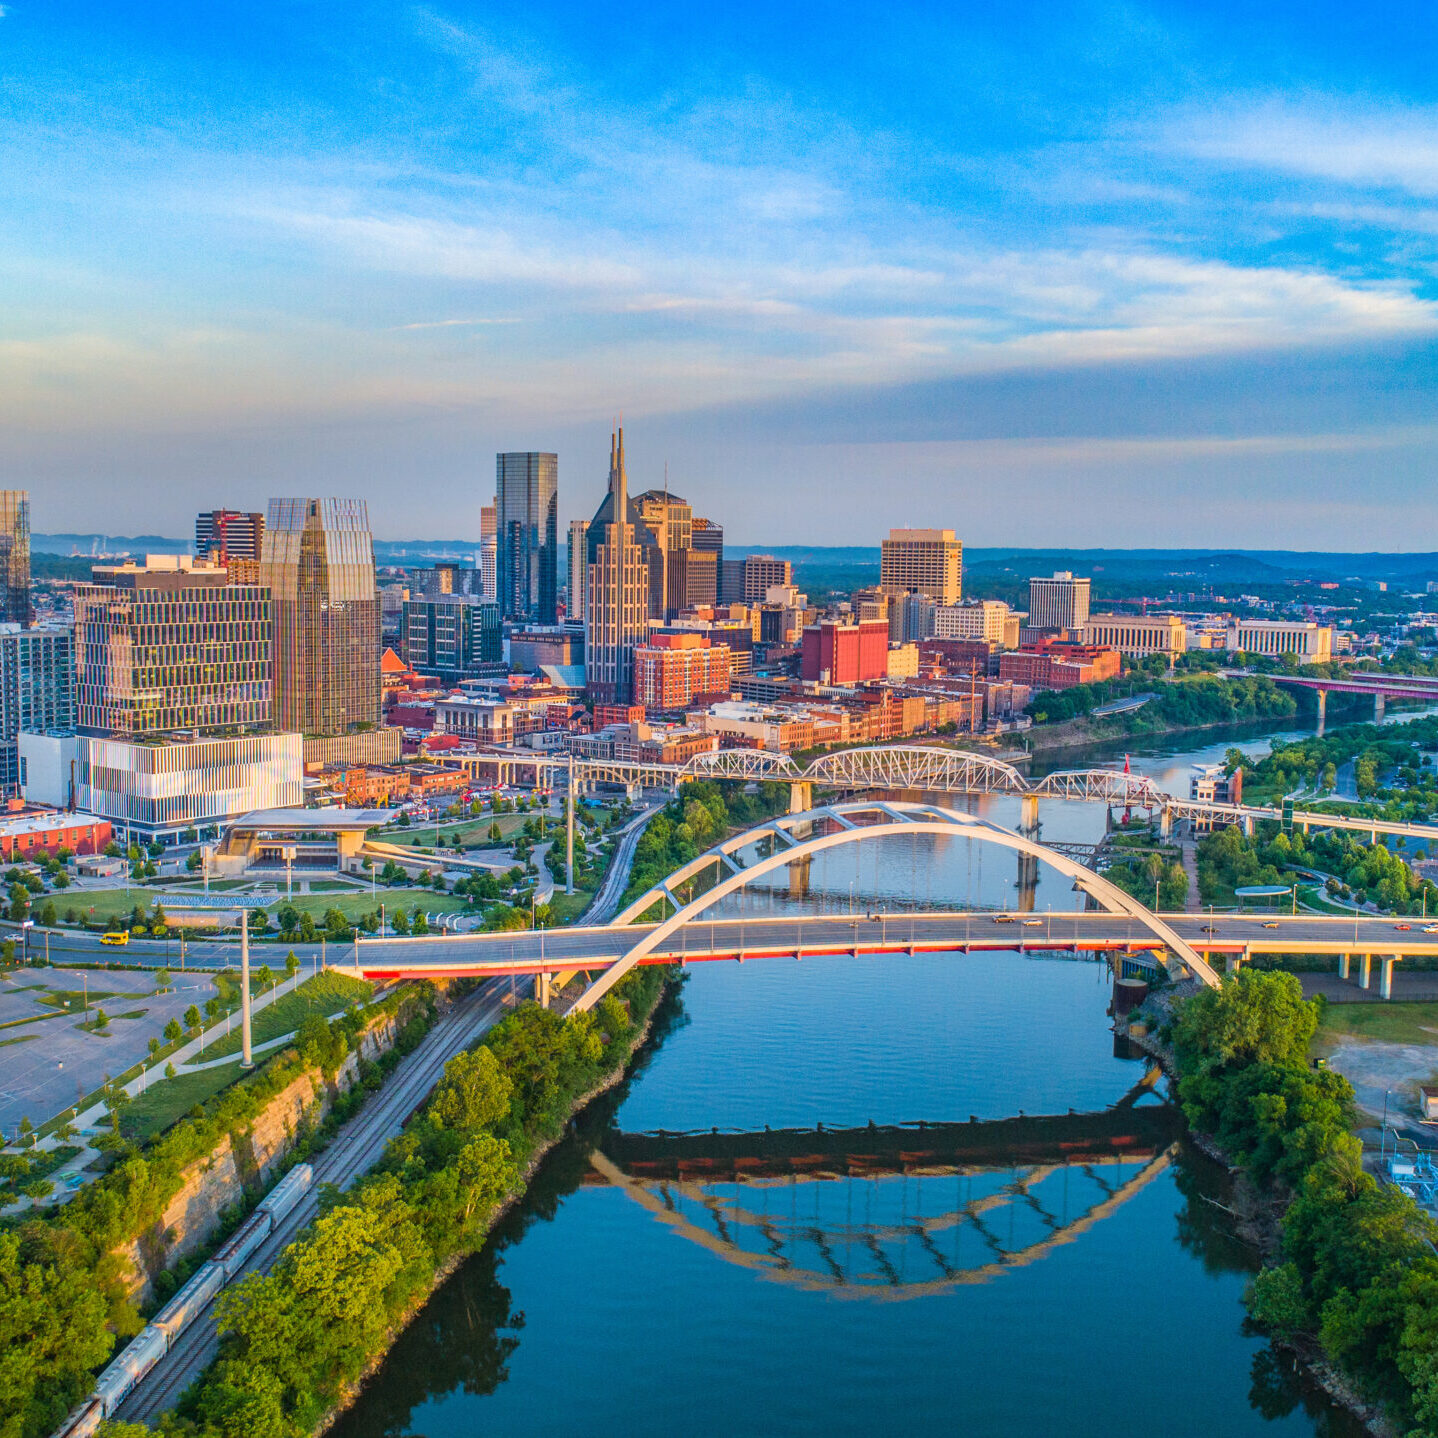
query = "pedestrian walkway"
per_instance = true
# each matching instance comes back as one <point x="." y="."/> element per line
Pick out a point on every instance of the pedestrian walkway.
<point x="1188" y="853"/>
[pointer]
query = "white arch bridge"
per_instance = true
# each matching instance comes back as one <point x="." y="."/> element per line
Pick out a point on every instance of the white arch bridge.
<point x="610" y="951"/>
<point x="914" y="767"/>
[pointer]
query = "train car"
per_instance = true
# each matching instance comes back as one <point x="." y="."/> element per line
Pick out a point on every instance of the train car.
<point x="287" y="1192"/>
<point x="83" y="1422"/>
<point x="182" y="1309"/>
<point x="143" y="1352"/>
<point x="231" y="1255"/>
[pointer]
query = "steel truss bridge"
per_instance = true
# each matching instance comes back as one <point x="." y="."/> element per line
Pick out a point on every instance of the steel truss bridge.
<point x="938" y="1206"/>
<point x="922" y="769"/>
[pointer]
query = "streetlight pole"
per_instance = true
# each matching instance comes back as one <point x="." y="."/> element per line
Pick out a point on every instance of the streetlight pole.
<point x="247" y="1058"/>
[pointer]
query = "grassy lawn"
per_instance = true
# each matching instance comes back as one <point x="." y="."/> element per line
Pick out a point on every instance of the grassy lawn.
<point x="1391" y="1023"/>
<point x="356" y="904"/>
<point x="467" y="831"/>
<point x="568" y="907"/>
<point x="326" y="994"/>
<point x="169" y="1100"/>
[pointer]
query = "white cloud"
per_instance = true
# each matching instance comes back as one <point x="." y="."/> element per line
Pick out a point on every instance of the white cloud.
<point x="1366" y="148"/>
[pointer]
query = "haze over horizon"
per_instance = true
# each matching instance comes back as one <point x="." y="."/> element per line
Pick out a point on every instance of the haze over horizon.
<point x="1118" y="274"/>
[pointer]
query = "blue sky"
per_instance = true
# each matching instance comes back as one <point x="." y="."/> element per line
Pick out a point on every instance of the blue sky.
<point x="1159" y="274"/>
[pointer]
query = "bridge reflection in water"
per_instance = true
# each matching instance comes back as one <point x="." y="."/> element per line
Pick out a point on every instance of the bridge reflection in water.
<point x="895" y="1211"/>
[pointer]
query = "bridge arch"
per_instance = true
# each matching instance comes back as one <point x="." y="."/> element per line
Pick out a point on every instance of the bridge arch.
<point x="893" y="819"/>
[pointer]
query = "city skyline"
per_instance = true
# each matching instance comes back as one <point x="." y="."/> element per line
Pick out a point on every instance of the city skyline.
<point x="1133" y="249"/>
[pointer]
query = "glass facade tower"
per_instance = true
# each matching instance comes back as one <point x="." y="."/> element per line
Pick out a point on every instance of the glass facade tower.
<point x="15" y="556"/>
<point x="318" y="564"/>
<point x="527" y="557"/>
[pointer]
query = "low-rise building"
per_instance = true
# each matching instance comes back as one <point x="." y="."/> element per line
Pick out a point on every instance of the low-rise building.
<point x="1137" y="634"/>
<point x="485" y="721"/>
<point x="1303" y="639"/>
<point x="973" y="619"/>
<point x="27" y="830"/>
<point x="1213" y="784"/>
<point x="675" y="670"/>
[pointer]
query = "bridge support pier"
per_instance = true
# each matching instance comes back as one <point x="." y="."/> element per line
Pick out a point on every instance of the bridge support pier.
<point x="1385" y="982"/>
<point x="1165" y="823"/>
<point x="1322" y="710"/>
<point x="1378" y="707"/>
<point x="1343" y="960"/>
<point x="1028" y="877"/>
<point x="801" y="796"/>
<point x="799" y="877"/>
<point x="543" y="989"/>
<point x="1248" y="825"/>
<point x="1365" y="970"/>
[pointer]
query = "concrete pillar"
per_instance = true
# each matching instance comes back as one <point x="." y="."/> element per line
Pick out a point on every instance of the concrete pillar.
<point x="1322" y="710"/>
<point x="1165" y="823"/>
<point x="1385" y="982"/>
<point x="801" y="796"/>
<point x="1248" y="825"/>
<point x="1029" y="816"/>
<point x="1378" y="706"/>
<point x="247" y="1058"/>
<point x="799" y="877"/>
<point x="1343" y="965"/>
<point x="1028" y="883"/>
<point x="1365" y="970"/>
<point x="541" y="989"/>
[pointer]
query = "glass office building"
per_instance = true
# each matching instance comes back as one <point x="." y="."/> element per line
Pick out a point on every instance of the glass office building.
<point x="15" y="556"/>
<point x="527" y="558"/>
<point x="37" y="688"/>
<point x="318" y="564"/>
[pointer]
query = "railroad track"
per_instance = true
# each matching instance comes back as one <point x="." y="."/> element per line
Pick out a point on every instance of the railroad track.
<point x="354" y="1151"/>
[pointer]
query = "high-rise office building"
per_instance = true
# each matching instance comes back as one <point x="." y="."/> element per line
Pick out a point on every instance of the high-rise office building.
<point x="761" y="573"/>
<point x="15" y="557"/>
<point x="37" y="688"/>
<point x="670" y="520"/>
<point x="1058" y="603"/>
<point x="225" y="534"/>
<point x="922" y="561"/>
<point x="527" y="570"/>
<point x="488" y="552"/>
<point x="450" y="635"/>
<point x="617" y="608"/>
<point x="318" y="565"/>
<point x="446" y="578"/>
<point x="169" y="646"/>
<point x="578" y="571"/>
<point x="705" y="562"/>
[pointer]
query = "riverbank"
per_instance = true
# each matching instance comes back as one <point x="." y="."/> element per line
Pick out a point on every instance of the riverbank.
<point x="1080" y="733"/>
<point x="1259" y="1208"/>
<point x="447" y="1270"/>
<point x="300" y="1341"/>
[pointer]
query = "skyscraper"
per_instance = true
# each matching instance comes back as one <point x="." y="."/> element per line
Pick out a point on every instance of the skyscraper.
<point x="1058" y="603"/>
<point x="15" y="556"/>
<point x="318" y="564"/>
<point x="922" y="561"/>
<point x="226" y="534"/>
<point x="169" y="646"/>
<point x="617" y="609"/>
<point x="670" y="520"/>
<point x="37" y="688"/>
<point x="488" y="555"/>
<point x="578" y="585"/>
<point x="527" y="570"/>
<point x="705" y="563"/>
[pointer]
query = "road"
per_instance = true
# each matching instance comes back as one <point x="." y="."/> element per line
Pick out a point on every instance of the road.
<point x="605" y="902"/>
<point x="356" y="1149"/>
<point x="595" y="947"/>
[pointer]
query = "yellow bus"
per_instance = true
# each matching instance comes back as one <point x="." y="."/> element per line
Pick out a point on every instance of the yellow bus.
<point x="116" y="938"/>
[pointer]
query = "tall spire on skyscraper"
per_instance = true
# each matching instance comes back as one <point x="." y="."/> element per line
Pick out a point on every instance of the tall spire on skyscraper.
<point x="621" y="483"/>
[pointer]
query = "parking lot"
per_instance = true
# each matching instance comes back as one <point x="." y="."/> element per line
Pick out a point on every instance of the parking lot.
<point x="47" y="1060"/>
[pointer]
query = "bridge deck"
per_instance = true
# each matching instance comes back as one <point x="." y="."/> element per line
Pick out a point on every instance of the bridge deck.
<point x="595" y="949"/>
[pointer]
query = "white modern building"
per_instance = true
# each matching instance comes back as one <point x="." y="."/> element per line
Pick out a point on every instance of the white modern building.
<point x="1059" y="603"/>
<point x="167" y="785"/>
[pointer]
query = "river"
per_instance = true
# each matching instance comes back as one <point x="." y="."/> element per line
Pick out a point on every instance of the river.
<point x="1035" y="1290"/>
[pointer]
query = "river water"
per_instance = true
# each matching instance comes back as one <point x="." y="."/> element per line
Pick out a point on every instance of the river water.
<point x="1046" y="1283"/>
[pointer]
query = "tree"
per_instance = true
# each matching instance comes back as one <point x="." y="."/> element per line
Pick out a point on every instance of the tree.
<point x="162" y="979"/>
<point x="264" y="978"/>
<point x="101" y="1020"/>
<point x="173" y="1031"/>
<point x="38" y="1190"/>
<point x="400" y="922"/>
<point x="307" y="928"/>
<point x="474" y="1093"/>
<point x="192" y="1018"/>
<point x="292" y="964"/>
<point x="336" y="925"/>
<point x="48" y="916"/>
<point x="420" y="923"/>
<point x="154" y="1047"/>
<point x="1256" y="1017"/>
